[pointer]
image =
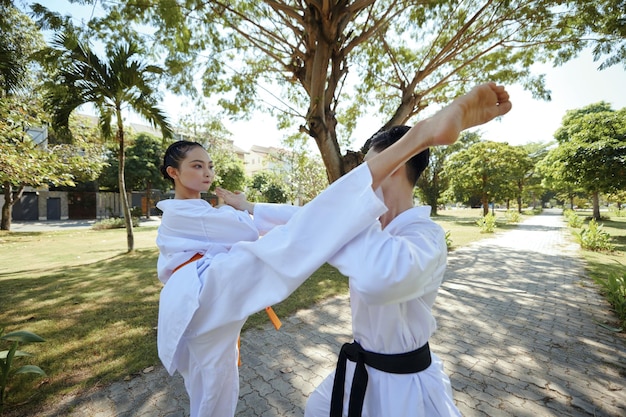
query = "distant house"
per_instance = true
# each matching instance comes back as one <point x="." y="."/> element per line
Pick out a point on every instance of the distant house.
<point x="43" y="204"/>
<point x="263" y="158"/>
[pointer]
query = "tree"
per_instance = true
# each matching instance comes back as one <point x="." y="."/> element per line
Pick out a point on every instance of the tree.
<point x="27" y="163"/>
<point x="269" y="188"/>
<point x="302" y="173"/>
<point x="143" y="160"/>
<point x="19" y="41"/>
<point x="591" y="151"/>
<point x="325" y="62"/>
<point x="80" y="77"/>
<point x="531" y="188"/>
<point x="484" y="170"/>
<point x="554" y="174"/>
<point x="433" y="182"/>
<point x="521" y="172"/>
<point x="605" y="19"/>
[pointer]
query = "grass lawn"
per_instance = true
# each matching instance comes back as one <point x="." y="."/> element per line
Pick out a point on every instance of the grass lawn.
<point x="97" y="306"/>
<point x="461" y="223"/>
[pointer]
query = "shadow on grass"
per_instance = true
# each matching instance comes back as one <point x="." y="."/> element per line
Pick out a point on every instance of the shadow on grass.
<point x="98" y="321"/>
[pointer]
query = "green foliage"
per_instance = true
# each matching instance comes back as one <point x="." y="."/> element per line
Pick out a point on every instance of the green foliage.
<point x="427" y="53"/>
<point x="448" y="240"/>
<point x="8" y="356"/>
<point x="268" y="187"/>
<point x="20" y="39"/>
<point x="591" y="151"/>
<point x="304" y="173"/>
<point x="117" y="222"/>
<point x="122" y="80"/>
<point x="434" y="181"/>
<point x="573" y="219"/>
<point x="614" y="289"/>
<point x="487" y="223"/>
<point x="486" y="170"/>
<point x="594" y="238"/>
<point x="512" y="216"/>
<point x="230" y="172"/>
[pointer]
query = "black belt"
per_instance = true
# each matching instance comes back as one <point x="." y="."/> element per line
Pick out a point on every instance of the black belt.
<point x="401" y="363"/>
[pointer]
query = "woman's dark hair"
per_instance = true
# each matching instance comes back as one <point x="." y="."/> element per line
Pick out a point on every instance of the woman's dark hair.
<point x="174" y="154"/>
<point x="384" y="139"/>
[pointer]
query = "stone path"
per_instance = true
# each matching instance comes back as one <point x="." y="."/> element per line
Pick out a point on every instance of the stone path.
<point x="518" y="334"/>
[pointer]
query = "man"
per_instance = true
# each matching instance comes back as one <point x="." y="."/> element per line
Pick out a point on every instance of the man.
<point x="395" y="271"/>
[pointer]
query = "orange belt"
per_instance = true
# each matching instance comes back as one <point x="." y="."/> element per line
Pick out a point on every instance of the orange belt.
<point x="269" y="310"/>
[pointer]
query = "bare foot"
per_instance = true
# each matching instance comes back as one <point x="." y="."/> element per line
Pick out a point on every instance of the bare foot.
<point x="481" y="105"/>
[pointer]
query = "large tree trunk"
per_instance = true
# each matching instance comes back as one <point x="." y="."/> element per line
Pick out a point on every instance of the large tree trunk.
<point x="130" y="239"/>
<point x="596" y="205"/>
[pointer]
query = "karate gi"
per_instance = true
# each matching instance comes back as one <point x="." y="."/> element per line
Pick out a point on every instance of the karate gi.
<point x="394" y="275"/>
<point x="204" y="304"/>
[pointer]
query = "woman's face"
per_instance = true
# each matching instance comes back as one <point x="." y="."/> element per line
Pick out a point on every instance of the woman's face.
<point x="194" y="175"/>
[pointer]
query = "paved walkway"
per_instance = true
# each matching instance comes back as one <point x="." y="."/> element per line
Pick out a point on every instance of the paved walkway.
<point x="518" y="334"/>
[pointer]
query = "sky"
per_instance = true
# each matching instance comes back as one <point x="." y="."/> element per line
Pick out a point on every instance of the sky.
<point x="573" y="85"/>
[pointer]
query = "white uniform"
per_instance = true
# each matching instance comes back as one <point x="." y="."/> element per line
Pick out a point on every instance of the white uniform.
<point x="204" y="304"/>
<point x="394" y="274"/>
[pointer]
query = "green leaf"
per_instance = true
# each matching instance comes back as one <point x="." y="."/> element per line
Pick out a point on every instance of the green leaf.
<point x="22" y="336"/>
<point x="30" y="369"/>
<point x="5" y="353"/>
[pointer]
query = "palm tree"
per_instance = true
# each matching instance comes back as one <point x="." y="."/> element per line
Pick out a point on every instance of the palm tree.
<point x="122" y="81"/>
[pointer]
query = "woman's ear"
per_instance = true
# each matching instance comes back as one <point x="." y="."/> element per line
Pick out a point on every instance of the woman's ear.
<point x="172" y="172"/>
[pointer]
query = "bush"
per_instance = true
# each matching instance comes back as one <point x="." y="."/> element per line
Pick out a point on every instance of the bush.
<point x="512" y="216"/>
<point x="113" y="223"/>
<point x="573" y="219"/>
<point x="8" y="356"/>
<point x="448" y="240"/>
<point x="594" y="238"/>
<point x="614" y="289"/>
<point x="136" y="212"/>
<point x="487" y="223"/>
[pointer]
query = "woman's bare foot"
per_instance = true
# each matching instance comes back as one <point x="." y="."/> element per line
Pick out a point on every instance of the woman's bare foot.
<point x="481" y="105"/>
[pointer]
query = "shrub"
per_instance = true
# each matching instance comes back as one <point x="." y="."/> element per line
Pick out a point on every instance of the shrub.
<point x="448" y="240"/>
<point x="487" y="223"/>
<point x="113" y="223"/>
<point x="594" y="238"/>
<point x="512" y="216"/>
<point x="573" y="219"/>
<point x="136" y="212"/>
<point x="614" y="289"/>
<point x="8" y="356"/>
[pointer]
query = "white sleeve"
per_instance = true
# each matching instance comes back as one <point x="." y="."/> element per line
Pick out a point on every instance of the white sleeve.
<point x="269" y="215"/>
<point x="391" y="268"/>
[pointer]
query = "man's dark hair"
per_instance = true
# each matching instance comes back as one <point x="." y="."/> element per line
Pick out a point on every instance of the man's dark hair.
<point x="385" y="138"/>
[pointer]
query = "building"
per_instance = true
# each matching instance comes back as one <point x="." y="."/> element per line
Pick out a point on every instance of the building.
<point x="43" y="204"/>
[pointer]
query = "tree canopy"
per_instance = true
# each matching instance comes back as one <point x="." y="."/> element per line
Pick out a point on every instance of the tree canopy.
<point x="484" y="170"/>
<point x="591" y="151"/>
<point x="325" y="63"/>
